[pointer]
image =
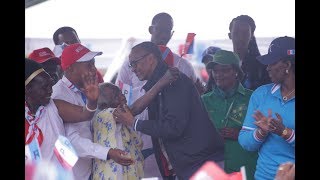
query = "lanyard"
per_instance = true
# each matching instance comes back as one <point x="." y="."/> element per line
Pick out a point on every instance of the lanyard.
<point x="76" y="90"/>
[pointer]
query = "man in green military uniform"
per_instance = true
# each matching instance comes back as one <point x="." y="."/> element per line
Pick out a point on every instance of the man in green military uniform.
<point x="227" y="106"/>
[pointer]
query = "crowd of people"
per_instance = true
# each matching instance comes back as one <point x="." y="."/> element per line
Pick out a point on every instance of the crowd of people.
<point x="243" y="116"/>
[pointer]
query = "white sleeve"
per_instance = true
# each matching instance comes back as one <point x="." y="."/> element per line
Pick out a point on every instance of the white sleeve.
<point x="86" y="148"/>
<point x="186" y="67"/>
<point x="79" y="135"/>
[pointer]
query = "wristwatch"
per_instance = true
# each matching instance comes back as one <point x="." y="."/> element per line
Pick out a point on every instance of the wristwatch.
<point x="284" y="132"/>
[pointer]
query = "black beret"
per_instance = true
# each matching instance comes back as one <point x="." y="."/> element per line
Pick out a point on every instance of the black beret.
<point x="32" y="69"/>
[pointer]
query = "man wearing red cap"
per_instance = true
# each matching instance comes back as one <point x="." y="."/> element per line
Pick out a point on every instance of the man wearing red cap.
<point x="77" y="61"/>
<point x="49" y="61"/>
<point x="65" y="36"/>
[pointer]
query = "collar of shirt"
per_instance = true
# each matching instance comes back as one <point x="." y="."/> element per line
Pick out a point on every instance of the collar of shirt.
<point x="72" y="87"/>
<point x="276" y="92"/>
<point x="238" y="88"/>
<point x="28" y="115"/>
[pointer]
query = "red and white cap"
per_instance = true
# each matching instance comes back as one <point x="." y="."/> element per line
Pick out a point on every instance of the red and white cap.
<point x="42" y="55"/>
<point x="76" y="53"/>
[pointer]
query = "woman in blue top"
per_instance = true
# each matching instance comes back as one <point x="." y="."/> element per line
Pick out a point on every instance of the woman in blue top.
<point x="269" y="125"/>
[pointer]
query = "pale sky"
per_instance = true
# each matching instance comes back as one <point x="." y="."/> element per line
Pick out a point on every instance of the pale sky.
<point x="209" y="19"/>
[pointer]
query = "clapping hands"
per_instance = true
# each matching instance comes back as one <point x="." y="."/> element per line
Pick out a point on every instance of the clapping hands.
<point x="268" y="123"/>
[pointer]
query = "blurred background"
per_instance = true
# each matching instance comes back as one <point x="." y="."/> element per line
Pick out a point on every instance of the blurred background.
<point x="114" y="26"/>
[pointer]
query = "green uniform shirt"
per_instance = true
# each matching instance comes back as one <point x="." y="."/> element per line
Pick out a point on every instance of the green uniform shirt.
<point x="229" y="110"/>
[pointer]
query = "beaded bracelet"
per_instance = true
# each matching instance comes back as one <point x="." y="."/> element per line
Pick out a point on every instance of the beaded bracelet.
<point x="91" y="110"/>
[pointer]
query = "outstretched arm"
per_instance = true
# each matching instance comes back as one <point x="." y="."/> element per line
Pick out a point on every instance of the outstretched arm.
<point x="72" y="113"/>
<point x="140" y="104"/>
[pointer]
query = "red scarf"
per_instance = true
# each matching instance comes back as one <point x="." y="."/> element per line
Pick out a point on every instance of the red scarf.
<point x="31" y="129"/>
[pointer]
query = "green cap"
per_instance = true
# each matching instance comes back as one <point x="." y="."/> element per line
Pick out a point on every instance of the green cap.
<point x="224" y="57"/>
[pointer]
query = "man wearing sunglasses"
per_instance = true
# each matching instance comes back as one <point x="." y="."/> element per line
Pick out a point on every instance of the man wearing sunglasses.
<point x="161" y="32"/>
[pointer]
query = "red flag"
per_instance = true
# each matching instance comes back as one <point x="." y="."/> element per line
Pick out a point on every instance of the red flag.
<point x="188" y="46"/>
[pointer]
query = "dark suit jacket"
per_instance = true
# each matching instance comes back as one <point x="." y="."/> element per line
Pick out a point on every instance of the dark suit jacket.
<point x="179" y="118"/>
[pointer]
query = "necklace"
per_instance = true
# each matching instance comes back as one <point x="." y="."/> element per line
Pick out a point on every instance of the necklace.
<point x="285" y="98"/>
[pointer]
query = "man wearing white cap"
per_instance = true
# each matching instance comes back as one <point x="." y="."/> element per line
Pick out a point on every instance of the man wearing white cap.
<point x="76" y="61"/>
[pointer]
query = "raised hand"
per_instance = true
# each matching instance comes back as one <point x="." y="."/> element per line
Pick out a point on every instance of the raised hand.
<point x="171" y="75"/>
<point x="120" y="157"/>
<point x="90" y="86"/>
<point x="277" y="123"/>
<point x="122" y="114"/>
<point x="263" y="122"/>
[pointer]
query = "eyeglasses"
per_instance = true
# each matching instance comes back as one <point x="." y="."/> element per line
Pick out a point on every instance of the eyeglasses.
<point x="133" y="64"/>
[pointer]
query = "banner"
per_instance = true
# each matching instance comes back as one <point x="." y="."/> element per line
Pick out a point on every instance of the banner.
<point x="65" y="152"/>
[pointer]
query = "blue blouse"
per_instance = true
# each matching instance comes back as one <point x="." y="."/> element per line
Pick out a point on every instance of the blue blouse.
<point x="273" y="150"/>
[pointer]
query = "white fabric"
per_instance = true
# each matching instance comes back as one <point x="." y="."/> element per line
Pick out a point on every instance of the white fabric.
<point x="51" y="126"/>
<point x="90" y="55"/>
<point x="184" y="66"/>
<point x="79" y="134"/>
<point x="128" y="77"/>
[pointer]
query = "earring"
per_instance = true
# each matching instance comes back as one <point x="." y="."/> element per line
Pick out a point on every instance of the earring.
<point x="236" y="74"/>
<point x="287" y="71"/>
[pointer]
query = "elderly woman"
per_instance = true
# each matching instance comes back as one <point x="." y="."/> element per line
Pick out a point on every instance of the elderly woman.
<point x="44" y="116"/>
<point x="227" y="105"/>
<point x="125" y="158"/>
<point x="269" y="125"/>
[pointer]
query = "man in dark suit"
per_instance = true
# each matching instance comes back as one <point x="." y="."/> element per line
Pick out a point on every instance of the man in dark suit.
<point x="182" y="135"/>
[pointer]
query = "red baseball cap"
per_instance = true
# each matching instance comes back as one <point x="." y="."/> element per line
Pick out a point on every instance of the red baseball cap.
<point x="167" y="55"/>
<point x="42" y="55"/>
<point x="76" y="53"/>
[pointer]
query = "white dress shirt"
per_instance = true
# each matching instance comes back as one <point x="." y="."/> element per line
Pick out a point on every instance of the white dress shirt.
<point x="79" y="134"/>
<point x="51" y="126"/>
